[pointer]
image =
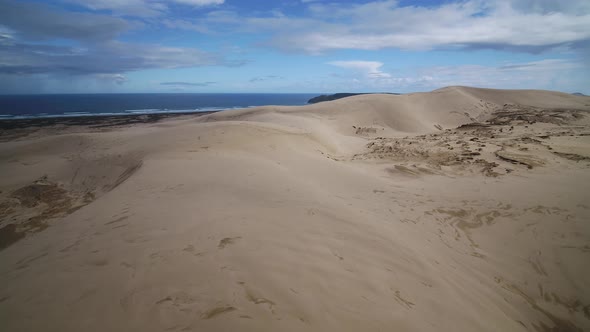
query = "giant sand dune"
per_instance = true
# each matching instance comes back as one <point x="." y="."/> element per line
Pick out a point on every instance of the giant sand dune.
<point x="461" y="209"/>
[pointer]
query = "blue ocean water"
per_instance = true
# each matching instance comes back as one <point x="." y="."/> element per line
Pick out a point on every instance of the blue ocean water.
<point x="30" y="106"/>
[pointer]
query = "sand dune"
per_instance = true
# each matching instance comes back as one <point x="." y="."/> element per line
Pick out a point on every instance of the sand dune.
<point x="460" y="209"/>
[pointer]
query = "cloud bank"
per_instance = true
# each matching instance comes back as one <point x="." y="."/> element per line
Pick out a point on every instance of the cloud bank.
<point x="28" y="32"/>
<point x="523" y="26"/>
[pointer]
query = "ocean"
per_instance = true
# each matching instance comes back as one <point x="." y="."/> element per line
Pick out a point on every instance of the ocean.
<point x="44" y="106"/>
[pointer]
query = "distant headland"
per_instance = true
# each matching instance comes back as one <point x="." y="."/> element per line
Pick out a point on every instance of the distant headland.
<point x="335" y="96"/>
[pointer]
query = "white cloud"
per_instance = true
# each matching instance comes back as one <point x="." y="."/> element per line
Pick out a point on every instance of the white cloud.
<point x="520" y="25"/>
<point x="499" y="24"/>
<point x="42" y="22"/>
<point x="6" y="33"/>
<point x="548" y="6"/>
<point x="95" y="52"/>
<point x="185" y="25"/>
<point x="199" y="3"/>
<point x="370" y="69"/>
<point x="140" y="8"/>
<point x="567" y="75"/>
<point x="114" y="78"/>
<point x="109" y="58"/>
<point x="552" y="74"/>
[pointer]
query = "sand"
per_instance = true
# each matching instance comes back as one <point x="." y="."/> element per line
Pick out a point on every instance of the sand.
<point x="460" y="209"/>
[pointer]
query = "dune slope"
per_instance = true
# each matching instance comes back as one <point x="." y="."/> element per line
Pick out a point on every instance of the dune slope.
<point x="460" y="209"/>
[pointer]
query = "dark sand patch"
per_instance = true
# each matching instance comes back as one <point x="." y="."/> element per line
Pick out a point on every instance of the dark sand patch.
<point x="9" y="234"/>
<point x="217" y="311"/>
<point x="227" y="241"/>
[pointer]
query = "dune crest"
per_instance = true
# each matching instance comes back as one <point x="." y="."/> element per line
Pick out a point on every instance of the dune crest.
<point x="460" y="209"/>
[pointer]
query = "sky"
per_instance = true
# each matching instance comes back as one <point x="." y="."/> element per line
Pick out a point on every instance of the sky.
<point x="299" y="46"/>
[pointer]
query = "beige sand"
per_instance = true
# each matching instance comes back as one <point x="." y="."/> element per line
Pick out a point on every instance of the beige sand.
<point x="371" y="213"/>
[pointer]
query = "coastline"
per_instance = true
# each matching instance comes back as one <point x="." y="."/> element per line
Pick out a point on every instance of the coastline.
<point x="96" y="121"/>
<point x="11" y="129"/>
<point x="67" y="105"/>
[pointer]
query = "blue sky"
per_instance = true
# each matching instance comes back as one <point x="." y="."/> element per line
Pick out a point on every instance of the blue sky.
<point x="81" y="46"/>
